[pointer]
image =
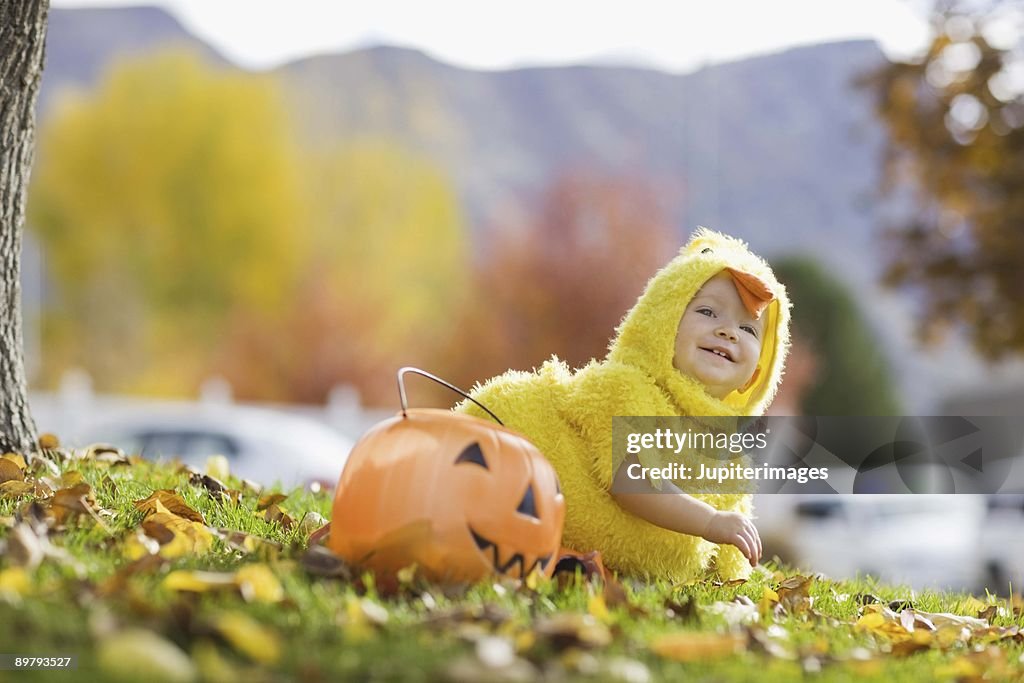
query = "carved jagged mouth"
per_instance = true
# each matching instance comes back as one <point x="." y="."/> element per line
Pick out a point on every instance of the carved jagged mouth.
<point x="485" y="544"/>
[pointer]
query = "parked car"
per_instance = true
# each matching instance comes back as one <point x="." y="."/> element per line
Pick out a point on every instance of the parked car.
<point x="924" y="541"/>
<point x="263" y="445"/>
<point x="1002" y="543"/>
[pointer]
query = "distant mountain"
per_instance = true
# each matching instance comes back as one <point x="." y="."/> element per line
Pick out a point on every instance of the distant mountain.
<point x="781" y="150"/>
<point x="780" y="143"/>
<point x="81" y="43"/>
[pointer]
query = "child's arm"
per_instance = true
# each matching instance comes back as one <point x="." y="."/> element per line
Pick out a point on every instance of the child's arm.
<point x="674" y="510"/>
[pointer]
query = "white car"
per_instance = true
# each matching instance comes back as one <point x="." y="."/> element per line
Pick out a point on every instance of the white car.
<point x="263" y="445"/>
<point x="924" y="541"/>
<point x="1002" y="542"/>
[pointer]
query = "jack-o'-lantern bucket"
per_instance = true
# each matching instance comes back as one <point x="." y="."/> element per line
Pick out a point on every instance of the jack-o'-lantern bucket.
<point x="460" y="497"/>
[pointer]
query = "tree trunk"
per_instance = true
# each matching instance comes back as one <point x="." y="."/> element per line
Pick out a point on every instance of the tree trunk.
<point x="22" y="37"/>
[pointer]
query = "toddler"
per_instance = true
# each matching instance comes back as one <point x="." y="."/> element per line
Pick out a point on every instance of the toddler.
<point x="708" y="337"/>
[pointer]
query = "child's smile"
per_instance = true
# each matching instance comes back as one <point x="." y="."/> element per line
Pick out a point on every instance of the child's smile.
<point x="719" y="341"/>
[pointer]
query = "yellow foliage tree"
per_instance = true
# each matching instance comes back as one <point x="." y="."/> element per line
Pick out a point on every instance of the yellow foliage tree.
<point x="387" y="276"/>
<point x="190" y="233"/>
<point x="166" y="198"/>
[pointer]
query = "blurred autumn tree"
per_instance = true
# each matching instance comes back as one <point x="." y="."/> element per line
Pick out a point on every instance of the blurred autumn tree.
<point x="955" y="120"/>
<point x="386" y="274"/>
<point x="164" y="200"/>
<point x="190" y="233"/>
<point x="561" y="282"/>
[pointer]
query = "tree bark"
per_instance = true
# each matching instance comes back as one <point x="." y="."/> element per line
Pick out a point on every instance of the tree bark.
<point x="22" y="40"/>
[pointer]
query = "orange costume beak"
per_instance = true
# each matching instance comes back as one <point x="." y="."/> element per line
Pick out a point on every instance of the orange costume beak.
<point x="754" y="294"/>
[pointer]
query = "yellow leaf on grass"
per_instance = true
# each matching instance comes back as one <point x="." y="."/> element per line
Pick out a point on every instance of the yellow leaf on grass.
<point x="959" y="668"/>
<point x="187" y="537"/>
<point x="139" y="545"/>
<point x="198" y="581"/>
<point x="258" y="584"/>
<point x="213" y="666"/>
<point x="255" y="641"/>
<point x="166" y="500"/>
<point x="269" y="499"/>
<point x="16" y="458"/>
<point x="886" y="625"/>
<point x="598" y="609"/>
<point x="358" y="626"/>
<point x="14" y="581"/>
<point x="16" y="488"/>
<point x="698" y="647"/>
<point x="870" y="621"/>
<point x="139" y="655"/>
<point x="973" y="605"/>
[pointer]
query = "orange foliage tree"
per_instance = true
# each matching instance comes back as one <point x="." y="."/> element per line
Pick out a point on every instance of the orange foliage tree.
<point x="560" y="281"/>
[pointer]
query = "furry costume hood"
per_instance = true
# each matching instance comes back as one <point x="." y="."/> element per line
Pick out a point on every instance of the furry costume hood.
<point x="646" y="337"/>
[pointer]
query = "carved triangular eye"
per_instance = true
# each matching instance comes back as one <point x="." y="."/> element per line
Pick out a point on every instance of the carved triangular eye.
<point x="527" y="505"/>
<point x="472" y="454"/>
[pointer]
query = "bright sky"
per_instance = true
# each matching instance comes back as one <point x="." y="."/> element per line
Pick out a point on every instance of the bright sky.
<point x="676" y="35"/>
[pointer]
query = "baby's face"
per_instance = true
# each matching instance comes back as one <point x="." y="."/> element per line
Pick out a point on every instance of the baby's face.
<point x="719" y="341"/>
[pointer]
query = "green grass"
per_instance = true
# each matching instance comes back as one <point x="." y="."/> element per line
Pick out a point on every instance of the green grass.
<point x="337" y="629"/>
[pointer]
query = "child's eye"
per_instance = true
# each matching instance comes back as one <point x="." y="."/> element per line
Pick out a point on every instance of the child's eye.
<point x="750" y="330"/>
<point x="706" y="311"/>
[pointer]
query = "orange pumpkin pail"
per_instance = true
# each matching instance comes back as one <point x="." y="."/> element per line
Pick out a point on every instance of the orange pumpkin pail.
<point x="460" y="497"/>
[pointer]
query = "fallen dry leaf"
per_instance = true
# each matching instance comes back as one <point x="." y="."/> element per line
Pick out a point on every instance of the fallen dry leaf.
<point x="213" y="666"/>
<point x="25" y="548"/>
<point x="17" y="458"/>
<point x="74" y="500"/>
<point x="698" y="647"/>
<point x="198" y="581"/>
<point x="139" y="545"/>
<point x="140" y="655"/>
<point x="249" y="544"/>
<point x="177" y="536"/>
<point x="597" y="608"/>
<point x="10" y="470"/>
<point x="15" y="583"/>
<point x="269" y="499"/>
<point x="171" y="502"/>
<point x="275" y="514"/>
<point x="13" y="488"/>
<point x="257" y="642"/>
<point x="321" y="561"/>
<point x="793" y="594"/>
<point x="257" y="583"/>
<point x="118" y="582"/>
<point x="570" y="629"/>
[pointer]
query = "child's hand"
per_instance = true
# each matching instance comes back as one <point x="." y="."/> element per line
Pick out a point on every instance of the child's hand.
<point x="735" y="529"/>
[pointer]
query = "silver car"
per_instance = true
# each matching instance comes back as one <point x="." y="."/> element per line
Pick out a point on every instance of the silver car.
<point x="263" y="445"/>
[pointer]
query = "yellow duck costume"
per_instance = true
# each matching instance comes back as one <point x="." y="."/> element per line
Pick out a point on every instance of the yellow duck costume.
<point x="568" y="415"/>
